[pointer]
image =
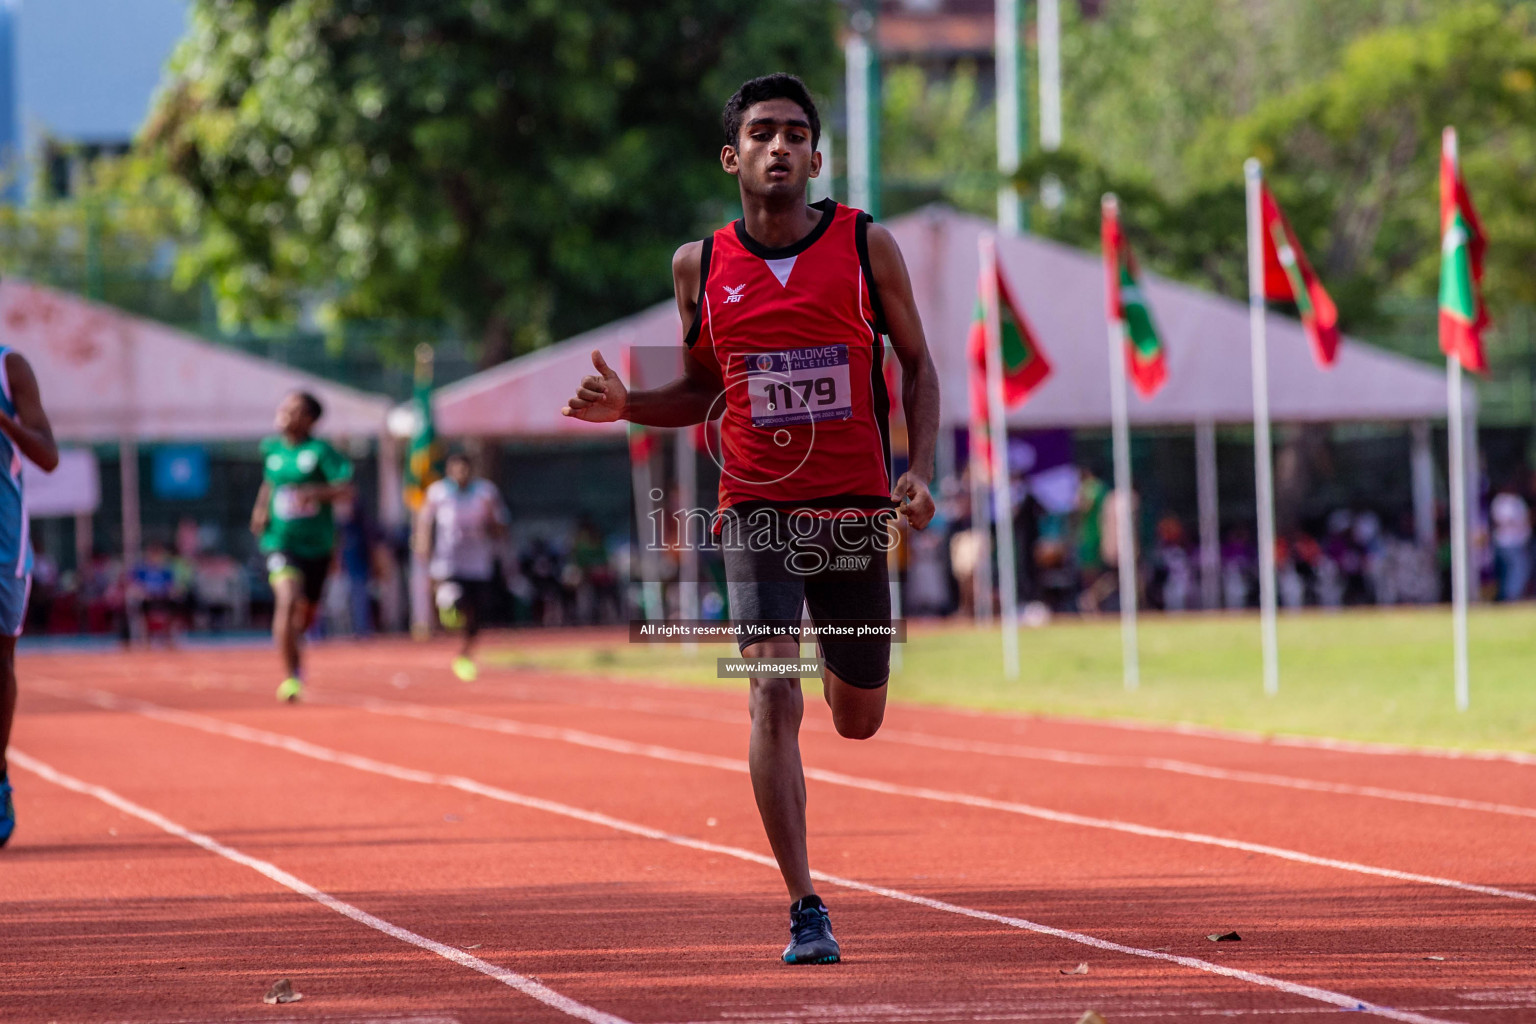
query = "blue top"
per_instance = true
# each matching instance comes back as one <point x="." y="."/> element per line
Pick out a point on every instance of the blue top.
<point x="15" y="531"/>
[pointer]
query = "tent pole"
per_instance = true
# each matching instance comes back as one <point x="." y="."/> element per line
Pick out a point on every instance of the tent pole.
<point x="688" y="556"/>
<point x="1210" y="514"/>
<point x="391" y="485"/>
<point x="981" y="523"/>
<point x="1264" y="474"/>
<point x="1422" y="467"/>
<point x="1002" y="496"/>
<point x="128" y="475"/>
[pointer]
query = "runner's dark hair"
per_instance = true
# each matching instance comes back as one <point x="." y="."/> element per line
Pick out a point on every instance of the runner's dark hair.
<point x="778" y="86"/>
<point x="311" y="405"/>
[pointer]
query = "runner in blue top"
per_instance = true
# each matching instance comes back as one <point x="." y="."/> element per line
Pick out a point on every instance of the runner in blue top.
<point x="24" y="430"/>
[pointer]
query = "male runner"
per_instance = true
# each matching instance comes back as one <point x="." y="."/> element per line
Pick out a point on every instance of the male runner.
<point x="785" y="309"/>
<point x="460" y="520"/>
<point x="302" y="477"/>
<point x="24" y="430"/>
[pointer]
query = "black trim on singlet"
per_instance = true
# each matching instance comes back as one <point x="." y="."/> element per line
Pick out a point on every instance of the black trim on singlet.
<point x="861" y="242"/>
<point x="698" y="313"/>
<point x="828" y="210"/>
<point x="882" y="403"/>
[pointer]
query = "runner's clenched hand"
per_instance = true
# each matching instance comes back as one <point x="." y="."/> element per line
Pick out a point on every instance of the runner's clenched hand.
<point x="600" y="398"/>
<point x="915" y="501"/>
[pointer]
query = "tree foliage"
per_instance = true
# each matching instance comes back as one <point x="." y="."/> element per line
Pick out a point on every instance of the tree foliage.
<point x="1352" y="154"/>
<point x="515" y="170"/>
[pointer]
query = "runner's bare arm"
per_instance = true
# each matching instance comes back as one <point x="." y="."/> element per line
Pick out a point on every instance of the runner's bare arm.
<point x="920" y="379"/>
<point x="261" y="512"/>
<point x="603" y="398"/>
<point x="29" y="429"/>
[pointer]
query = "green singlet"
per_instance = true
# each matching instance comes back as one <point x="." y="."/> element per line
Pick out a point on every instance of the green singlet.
<point x="296" y="525"/>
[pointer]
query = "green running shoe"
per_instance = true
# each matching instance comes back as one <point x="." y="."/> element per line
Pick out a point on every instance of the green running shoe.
<point x="290" y="689"/>
<point x="465" y="669"/>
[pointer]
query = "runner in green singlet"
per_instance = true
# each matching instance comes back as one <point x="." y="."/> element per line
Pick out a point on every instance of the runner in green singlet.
<point x="302" y="478"/>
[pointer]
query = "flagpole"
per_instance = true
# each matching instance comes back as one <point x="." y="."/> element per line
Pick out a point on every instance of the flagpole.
<point x="1456" y="431"/>
<point x="1264" y="474"/>
<point x="1125" y="538"/>
<point x="1459" y="587"/>
<point x="1002" y="498"/>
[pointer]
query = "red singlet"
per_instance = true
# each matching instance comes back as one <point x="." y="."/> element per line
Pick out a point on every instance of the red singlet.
<point x="795" y="333"/>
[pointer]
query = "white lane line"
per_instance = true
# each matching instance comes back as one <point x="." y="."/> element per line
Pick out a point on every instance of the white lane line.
<point x="304" y="748"/>
<point x="1054" y="755"/>
<point x="1263" y="739"/>
<point x="510" y="727"/>
<point x="527" y="986"/>
<point x="1243" y="736"/>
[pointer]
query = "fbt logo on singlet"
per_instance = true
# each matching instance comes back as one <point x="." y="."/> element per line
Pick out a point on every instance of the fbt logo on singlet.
<point x="795" y="334"/>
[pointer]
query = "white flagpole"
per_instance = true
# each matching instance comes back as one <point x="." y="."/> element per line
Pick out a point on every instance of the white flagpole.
<point x="1125" y="539"/>
<point x="1009" y="143"/>
<point x="1456" y="429"/>
<point x="1264" y="474"/>
<point x="1002" y="498"/>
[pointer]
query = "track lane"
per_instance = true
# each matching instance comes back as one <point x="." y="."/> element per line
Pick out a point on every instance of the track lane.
<point x="1385" y="914"/>
<point x="463" y="748"/>
<point x="891" y="963"/>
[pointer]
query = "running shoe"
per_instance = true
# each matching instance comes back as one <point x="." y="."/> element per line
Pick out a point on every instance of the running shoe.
<point x="290" y="689"/>
<point x="465" y="669"/>
<point x="7" y="810"/>
<point x="811" y="931"/>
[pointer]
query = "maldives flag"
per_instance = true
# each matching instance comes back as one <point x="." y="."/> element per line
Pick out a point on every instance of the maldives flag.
<point x="1025" y="367"/>
<point x="1288" y="277"/>
<point x="1146" y="360"/>
<point x="1462" y="243"/>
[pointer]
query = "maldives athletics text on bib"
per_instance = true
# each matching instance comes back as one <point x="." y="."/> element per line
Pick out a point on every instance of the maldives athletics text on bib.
<point x="795" y="333"/>
<point x="801" y="385"/>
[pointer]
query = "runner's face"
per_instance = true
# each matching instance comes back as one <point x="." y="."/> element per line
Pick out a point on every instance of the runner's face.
<point x="293" y="416"/>
<point x="458" y="472"/>
<point x="773" y="155"/>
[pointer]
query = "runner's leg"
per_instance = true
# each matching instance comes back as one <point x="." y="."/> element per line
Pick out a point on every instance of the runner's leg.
<point x="7" y="695"/>
<point x="290" y="613"/>
<point x="778" y="781"/>
<point x="857" y="711"/>
<point x="470" y="600"/>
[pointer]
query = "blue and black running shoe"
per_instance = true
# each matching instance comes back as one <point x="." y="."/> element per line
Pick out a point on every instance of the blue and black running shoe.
<point x="7" y="810"/>
<point x="811" y="931"/>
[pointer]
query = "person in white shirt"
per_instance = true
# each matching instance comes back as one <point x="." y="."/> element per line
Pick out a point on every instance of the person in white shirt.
<point x="458" y="526"/>
<point x="1510" y="518"/>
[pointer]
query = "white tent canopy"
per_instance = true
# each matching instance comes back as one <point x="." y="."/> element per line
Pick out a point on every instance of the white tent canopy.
<point x="106" y="375"/>
<point x="1061" y="292"/>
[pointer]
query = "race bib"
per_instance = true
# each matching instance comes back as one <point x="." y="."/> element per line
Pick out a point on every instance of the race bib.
<point x="803" y="385"/>
<point x="288" y="504"/>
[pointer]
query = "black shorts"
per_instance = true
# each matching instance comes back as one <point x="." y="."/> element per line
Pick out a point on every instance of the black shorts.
<point x="311" y="572"/>
<point x="475" y="596"/>
<point x="835" y="566"/>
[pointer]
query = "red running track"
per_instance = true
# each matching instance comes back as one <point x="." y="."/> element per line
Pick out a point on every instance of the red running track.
<point x="538" y="847"/>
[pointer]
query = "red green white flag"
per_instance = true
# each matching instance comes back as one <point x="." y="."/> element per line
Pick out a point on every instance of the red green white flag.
<point x="1025" y="366"/>
<point x="1462" y="243"/>
<point x="1288" y="277"/>
<point x="1146" y="358"/>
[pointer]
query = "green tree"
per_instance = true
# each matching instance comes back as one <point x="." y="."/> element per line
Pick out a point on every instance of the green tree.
<point x="1353" y="155"/>
<point x="938" y="141"/>
<point x="515" y="170"/>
